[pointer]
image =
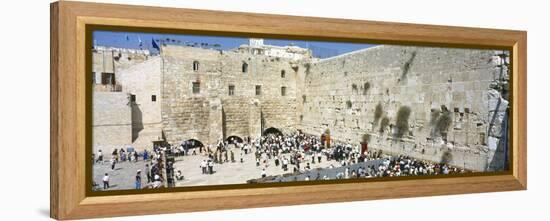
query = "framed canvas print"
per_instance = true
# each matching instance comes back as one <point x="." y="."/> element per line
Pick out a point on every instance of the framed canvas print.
<point x="160" y="110"/>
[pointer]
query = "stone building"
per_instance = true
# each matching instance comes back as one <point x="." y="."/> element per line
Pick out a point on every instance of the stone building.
<point x="437" y="104"/>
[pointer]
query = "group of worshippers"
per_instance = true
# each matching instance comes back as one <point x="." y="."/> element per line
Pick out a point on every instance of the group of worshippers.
<point x="298" y="149"/>
<point x="223" y="153"/>
<point x="121" y="155"/>
<point x="153" y="173"/>
<point x="407" y="166"/>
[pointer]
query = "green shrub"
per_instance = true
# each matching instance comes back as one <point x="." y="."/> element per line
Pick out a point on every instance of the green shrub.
<point x="366" y="88"/>
<point x="378" y="111"/>
<point x="407" y="65"/>
<point x="383" y="124"/>
<point x="447" y="157"/>
<point x="402" y="120"/>
<point x="434" y="116"/>
<point x="308" y="67"/>
<point x="354" y="88"/>
<point x="366" y="138"/>
<point x="443" y="123"/>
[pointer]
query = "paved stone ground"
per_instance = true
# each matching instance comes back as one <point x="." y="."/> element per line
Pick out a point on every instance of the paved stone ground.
<point x="123" y="177"/>
<point x="233" y="173"/>
<point x="330" y="173"/>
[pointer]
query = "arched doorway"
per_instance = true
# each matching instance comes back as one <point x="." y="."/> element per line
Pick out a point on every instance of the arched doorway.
<point x="272" y="130"/>
<point x="234" y="139"/>
<point x="192" y="143"/>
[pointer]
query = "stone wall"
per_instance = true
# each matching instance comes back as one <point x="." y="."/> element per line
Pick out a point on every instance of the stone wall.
<point x="433" y="87"/>
<point x="187" y="115"/>
<point x="112" y="121"/>
<point x="143" y="81"/>
<point x="237" y="113"/>
<point x="436" y="104"/>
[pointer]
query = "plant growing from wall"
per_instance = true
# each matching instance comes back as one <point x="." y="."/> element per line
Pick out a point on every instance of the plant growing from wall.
<point x="308" y="68"/>
<point x="383" y="124"/>
<point x="402" y="121"/>
<point x="407" y="65"/>
<point x="365" y="138"/>
<point x="434" y="116"/>
<point x="378" y="111"/>
<point x="366" y="88"/>
<point x="443" y="123"/>
<point x="348" y="104"/>
<point x="446" y="157"/>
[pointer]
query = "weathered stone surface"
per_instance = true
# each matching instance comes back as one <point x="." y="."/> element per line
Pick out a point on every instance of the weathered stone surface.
<point x="111" y="121"/>
<point x="456" y="80"/>
<point x="240" y="94"/>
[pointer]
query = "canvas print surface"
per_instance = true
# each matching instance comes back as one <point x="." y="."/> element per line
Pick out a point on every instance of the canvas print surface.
<point x="173" y="111"/>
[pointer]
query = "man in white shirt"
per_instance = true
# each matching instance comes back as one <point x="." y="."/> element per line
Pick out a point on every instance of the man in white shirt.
<point x="100" y="156"/>
<point x="203" y="166"/>
<point x="106" y="181"/>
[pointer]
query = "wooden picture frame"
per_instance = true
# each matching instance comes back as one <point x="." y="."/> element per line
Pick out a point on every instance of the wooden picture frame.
<point x="69" y="21"/>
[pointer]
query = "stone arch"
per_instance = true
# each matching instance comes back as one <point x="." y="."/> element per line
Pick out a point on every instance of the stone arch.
<point x="272" y="130"/>
<point x="235" y="138"/>
<point x="193" y="143"/>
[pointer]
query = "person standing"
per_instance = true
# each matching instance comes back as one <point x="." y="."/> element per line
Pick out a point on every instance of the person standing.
<point x="99" y="156"/>
<point x="115" y="154"/>
<point x="113" y="163"/>
<point x="263" y="173"/>
<point x="210" y="167"/>
<point x="203" y="166"/>
<point x="138" y="180"/>
<point x="106" y="181"/>
<point x="122" y="154"/>
<point x="148" y="173"/>
<point x="145" y="155"/>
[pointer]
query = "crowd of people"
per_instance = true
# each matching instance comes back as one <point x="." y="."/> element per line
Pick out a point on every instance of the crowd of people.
<point x="300" y="149"/>
<point x="390" y="166"/>
<point x="294" y="153"/>
<point x="153" y="170"/>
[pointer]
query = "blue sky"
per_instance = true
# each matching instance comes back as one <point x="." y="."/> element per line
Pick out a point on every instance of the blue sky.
<point x="132" y="40"/>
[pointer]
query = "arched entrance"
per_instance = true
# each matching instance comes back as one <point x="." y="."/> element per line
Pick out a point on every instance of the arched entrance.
<point x="192" y="143"/>
<point x="272" y="130"/>
<point x="234" y="139"/>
